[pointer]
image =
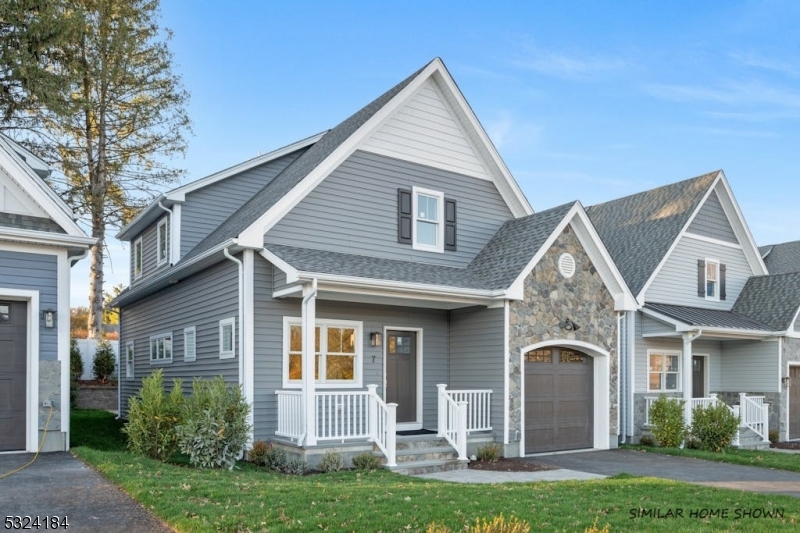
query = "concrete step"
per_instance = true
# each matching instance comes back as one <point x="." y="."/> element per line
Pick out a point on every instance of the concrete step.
<point x="750" y="440"/>
<point x="420" y="441"/>
<point x="414" y="468"/>
<point x="440" y="453"/>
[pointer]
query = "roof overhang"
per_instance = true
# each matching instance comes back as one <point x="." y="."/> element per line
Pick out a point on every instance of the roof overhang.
<point x="45" y="238"/>
<point x="682" y="327"/>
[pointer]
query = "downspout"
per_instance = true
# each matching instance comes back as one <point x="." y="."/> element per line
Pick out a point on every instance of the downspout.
<point x="241" y="314"/>
<point x="171" y="238"/>
<point x="75" y="258"/>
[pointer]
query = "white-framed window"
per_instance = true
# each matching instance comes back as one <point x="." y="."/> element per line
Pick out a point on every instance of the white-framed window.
<point x="227" y="338"/>
<point x="162" y="241"/>
<point x="338" y="348"/>
<point x="712" y="279"/>
<point x="664" y="373"/>
<point x="129" y="355"/>
<point x="189" y="344"/>
<point x="428" y="220"/>
<point x="137" y="258"/>
<point x="161" y="348"/>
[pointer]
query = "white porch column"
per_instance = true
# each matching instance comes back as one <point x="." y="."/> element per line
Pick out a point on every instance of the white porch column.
<point x="309" y="320"/>
<point x="686" y="374"/>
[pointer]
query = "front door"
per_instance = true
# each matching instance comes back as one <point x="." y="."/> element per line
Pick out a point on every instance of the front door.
<point x="794" y="402"/>
<point x="401" y="374"/>
<point x="698" y="377"/>
<point x="13" y="363"/>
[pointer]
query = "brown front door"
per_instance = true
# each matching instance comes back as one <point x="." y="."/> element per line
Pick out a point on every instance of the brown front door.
<point x="559" y="400"/>
<point x="698" y="377"/>
<point x="13" y="364"/>
<point x="401" y="374"/>
<point x="794" y="402"/>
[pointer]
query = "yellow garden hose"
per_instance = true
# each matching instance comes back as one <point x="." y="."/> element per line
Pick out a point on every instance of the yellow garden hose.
<point x="23" y="467"/>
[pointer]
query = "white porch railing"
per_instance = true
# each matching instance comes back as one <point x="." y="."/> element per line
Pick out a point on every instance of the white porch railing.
<point x="342" y="415"/>
<point x="453" y="422"/>
<point x="704" y="402"/>
<point x="291" y="423"/>
<point x="383" y="425"/>
<point x="754" y="414"/>
<point x="479" y="407"/>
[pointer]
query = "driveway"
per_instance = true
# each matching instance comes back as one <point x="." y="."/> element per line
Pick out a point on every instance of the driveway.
<point x="612" y="462"/>
<point x="58" y="484"/>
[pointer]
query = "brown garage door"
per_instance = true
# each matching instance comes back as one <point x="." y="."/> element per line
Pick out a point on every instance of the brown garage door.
<point x="794" y="402"/>
<point x="559" y="397"/>
<point x="13" y="355"/>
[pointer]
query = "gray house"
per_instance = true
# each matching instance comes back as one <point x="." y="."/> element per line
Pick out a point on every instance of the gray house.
<point x="39" y="242"/>
<point x="400" y="248"/>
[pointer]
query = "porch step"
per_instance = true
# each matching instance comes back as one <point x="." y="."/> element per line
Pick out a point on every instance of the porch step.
<point x="438" y="453"/>
<point x="750" y="440"/>
<point x="413" y="468"/>
<point x="424" y="454"/>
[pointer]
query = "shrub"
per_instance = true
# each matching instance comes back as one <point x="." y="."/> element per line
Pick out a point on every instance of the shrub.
<point x="258" y="453"/>
<point x="153" y="416"/>
<point x="331" y="462"/>
<point x="646" y="440"/>
<point x="366" y="461"/>
<point x="774" y="436"/>
<point x="667" y="420"/>
<point x="275" y="459"/>
<point x="714" y="426"/>
<point x="693" y="443"/>
<point x="214" y="430"/>
<point x="104" y="364"/>
<point x="295" y="467"/>
<point x="489" y="453"/>
<point x="75" y="360"/>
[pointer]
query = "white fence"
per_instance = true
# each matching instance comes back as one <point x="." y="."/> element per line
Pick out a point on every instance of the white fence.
<point x="87" y="348"/>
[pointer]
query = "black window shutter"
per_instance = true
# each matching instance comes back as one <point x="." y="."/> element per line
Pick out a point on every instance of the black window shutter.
<point x="721" y="281"/>
<point x="450" y="225"/>
<point x="404" y="216"/>
<point x="701" y="278"/>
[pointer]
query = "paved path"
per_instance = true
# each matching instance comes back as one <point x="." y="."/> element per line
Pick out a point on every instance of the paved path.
<point x="488" y="476"/>
<point x="612" y="462"/>
<point x="58" y="484"/>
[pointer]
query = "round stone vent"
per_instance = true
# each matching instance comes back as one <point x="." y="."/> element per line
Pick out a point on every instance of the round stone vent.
<point x="566" y="265"/>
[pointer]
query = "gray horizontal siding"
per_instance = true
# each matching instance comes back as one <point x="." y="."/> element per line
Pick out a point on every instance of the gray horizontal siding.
<point x="149" y="248"/>
<point x="200" y="301"/>
<point x="268" y="345"/>
<point x="710" y="348"/>
<point x="354" y="210"/>
<point x="654" y="327"/>
<point x="676" y="283"/>
<point x="34" y="272"/>
<point x="206" y="208"/>
<point x="750" y="366"/>
<point x="477" y="353"/>
<point x="712" y="222"/>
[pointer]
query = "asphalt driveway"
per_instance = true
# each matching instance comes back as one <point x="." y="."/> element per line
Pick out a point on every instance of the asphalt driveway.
<point x="637" y="463"/>
<point x="58" y="484"/>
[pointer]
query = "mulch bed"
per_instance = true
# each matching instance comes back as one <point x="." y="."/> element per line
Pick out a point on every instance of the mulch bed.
<point x="787" y="445"/>
<point x="509" y="465"/>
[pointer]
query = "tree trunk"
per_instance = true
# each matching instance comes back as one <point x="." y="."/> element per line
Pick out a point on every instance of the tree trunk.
<point x="96" y="279"/>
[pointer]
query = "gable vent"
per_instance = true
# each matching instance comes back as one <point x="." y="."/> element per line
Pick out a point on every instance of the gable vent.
<point x="566" y="265"/>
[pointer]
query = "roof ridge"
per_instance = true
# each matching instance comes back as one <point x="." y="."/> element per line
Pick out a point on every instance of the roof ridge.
<point x="660" y="187"/>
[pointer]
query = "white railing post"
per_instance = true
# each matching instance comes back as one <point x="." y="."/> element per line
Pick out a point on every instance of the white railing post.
<point x="442" y="411"/>
<point x="765" y="419"/>
<point x="391" y="435"/>
<point x="462" y="431"/>
<point x="372" y="409"/>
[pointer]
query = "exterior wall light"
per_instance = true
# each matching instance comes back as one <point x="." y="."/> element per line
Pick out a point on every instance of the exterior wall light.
<point x="375" y="338"/>
<point x="49" y="317"/>
<point x="568" y="325"/>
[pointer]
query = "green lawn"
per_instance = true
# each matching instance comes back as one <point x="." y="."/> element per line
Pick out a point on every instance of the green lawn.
<point x="762" y="458"/>
<point x="252" y="499"/>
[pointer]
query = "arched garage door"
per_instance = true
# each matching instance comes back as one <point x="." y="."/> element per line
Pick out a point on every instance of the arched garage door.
<point x="559" y="400"/>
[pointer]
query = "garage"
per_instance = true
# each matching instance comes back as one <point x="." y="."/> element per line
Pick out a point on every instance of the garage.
<point x="559" y="400"/>
<point x="13" y="362"/>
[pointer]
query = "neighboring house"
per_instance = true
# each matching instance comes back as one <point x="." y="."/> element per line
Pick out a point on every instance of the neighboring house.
<point x="712" y="325"/>
<point x="39" y="242"/>
<point x="400" y="248"/>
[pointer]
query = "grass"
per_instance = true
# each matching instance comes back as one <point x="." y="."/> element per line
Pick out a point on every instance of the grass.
<point x="253" y="499"/>
<point x="762" y="458"/>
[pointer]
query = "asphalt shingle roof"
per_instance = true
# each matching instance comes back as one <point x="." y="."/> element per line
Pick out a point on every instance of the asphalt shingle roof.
<point x="276" y="189"/>
<point x="772" y="299"/>
<point x="782" y="258"/>
<point x="716" y="318"/>
<point x="638" y="230"/>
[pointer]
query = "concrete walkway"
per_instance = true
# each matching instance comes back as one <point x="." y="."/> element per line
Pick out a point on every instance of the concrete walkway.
<point x="488" y="476"/>
<point x="58" y="484"/>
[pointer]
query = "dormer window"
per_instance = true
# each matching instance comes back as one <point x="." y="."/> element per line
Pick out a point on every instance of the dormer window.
<point x="137" y="258"/>
<point x="163" y="242"/>
<point x="426" y="220"/>
<point x="710" y="279"/>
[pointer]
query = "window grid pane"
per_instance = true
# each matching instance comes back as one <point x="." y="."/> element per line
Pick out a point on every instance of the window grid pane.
<point x="337" y="361"/>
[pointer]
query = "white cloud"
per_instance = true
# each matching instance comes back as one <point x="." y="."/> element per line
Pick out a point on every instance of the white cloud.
<point x="731" y="93"/>
<point x="562" y="65"/>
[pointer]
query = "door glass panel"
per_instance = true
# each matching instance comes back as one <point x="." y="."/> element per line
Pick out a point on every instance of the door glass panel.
<point x="544" y="355"/>
<point x="399" y="345"/>
<point x="5" y="312"/>
<point x="570" y="356"/>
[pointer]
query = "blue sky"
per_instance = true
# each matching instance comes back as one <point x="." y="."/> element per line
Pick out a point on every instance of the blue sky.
<point x="584" y="100"/>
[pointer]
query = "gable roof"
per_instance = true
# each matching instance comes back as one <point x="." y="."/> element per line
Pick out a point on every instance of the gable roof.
<point x="639" y="230"/>
<point x="773" y="299"/>
<point x="781" y="258"/>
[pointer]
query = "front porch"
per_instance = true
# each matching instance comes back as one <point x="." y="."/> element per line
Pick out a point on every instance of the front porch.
<point x="357" y="421"/>
<point x="752" y="412"/>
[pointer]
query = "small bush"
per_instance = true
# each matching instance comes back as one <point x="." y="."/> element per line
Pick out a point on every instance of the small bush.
<point x="489" y="453"/>
<point x="295" y="467"/>
<point x="595" y="529"/>
<point x="104" y="364"/>
<point x="75" y="360"/>
<point x="214" y="430"/>
<point x="258" y="452"/>
<point x="275" y="459"/>
<point x="153" y="416"/>
<point x="714" y="426"/>
<point x="646" y="440"/>
<point x="366" y="461"/>
<point x="774" y="436"/>
<point x="693" y="443"/>
<point x="667" y="420"/>
<point x="331" y="462"/>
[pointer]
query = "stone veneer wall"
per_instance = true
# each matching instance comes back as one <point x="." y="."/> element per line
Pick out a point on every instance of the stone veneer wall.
<point x="791" y="354"/>
<point x="549" y="299"/>
<point x="50" y="390"/>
